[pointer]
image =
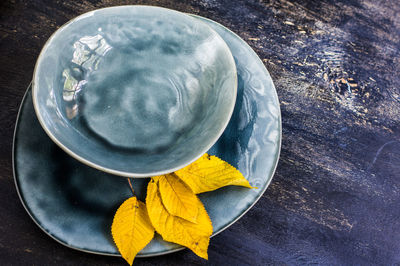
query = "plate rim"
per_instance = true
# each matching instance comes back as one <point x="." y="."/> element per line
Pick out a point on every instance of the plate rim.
<point x="172" y="250"/>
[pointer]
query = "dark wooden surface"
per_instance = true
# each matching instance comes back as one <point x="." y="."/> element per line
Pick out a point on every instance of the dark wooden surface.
<point x="335" y="198"/>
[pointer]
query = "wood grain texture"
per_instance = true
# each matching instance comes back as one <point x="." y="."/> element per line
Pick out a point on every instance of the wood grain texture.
<point x="335" y="198"/>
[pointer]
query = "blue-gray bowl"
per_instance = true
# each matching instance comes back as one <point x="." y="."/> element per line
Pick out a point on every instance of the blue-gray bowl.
<point x="135" y="91"/>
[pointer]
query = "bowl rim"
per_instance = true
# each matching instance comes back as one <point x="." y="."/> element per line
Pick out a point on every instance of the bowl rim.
<point x="107" y="169"/>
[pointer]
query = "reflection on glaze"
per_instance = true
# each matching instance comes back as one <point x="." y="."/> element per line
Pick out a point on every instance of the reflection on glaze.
<point x="88" y="51"/>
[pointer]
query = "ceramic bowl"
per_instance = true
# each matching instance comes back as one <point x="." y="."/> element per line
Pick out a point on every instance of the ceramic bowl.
<point x="135" y="91"/>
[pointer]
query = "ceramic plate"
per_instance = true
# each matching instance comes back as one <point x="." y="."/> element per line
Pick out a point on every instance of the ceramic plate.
<point x="131" y="90"/>
<point x="74" y="203"/>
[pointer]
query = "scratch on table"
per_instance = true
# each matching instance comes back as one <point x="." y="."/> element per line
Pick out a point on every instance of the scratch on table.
<point x="379" y="152"/>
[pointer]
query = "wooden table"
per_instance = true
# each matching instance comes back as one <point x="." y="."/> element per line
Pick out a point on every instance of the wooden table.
<point x="335" y="197"/>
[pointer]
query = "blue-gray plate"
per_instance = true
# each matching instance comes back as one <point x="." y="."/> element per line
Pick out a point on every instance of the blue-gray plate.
<point x="136" y="91"/>
<point x="74" y="203"/>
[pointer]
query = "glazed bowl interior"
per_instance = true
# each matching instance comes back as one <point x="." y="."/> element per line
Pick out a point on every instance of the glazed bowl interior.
<point x="135" y="91"/>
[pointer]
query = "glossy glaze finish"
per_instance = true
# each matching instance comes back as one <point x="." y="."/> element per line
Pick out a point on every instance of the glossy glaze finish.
<point x="135" y="90"/>
<point x="75" y="204"/>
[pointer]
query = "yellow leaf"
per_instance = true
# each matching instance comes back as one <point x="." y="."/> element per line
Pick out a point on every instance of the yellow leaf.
<point x="131" y="228"/>
<point x="177" y="197"/>
<point x="195" y="236"/>
<point x="210" y="173"/>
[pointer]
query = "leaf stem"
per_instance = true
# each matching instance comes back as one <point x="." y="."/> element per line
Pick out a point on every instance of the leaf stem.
<point x="130" y="185"/>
